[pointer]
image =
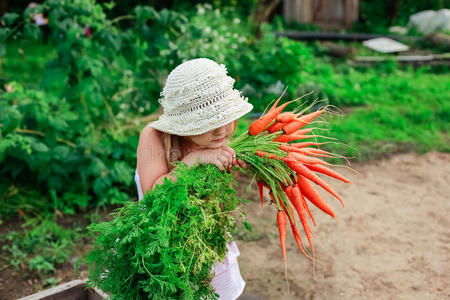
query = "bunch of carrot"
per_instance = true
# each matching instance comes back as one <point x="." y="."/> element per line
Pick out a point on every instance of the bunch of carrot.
<point x="286" y="166"/>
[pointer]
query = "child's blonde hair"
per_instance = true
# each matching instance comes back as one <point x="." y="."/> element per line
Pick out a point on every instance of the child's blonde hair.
<point x="174" y="147"/>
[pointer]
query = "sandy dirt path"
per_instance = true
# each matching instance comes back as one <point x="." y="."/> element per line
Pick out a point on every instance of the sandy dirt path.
<point x="391" y="241"/>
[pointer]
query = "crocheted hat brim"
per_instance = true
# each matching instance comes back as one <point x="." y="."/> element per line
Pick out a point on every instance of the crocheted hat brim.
<point x="178" y="126"/>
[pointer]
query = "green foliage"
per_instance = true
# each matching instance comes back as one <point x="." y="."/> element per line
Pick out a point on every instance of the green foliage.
<point x="40" y="249"/>
<point x="67" y="137"/>
<point x="43" y="145"/>
<point x="69" y="130"/>
<point x="164" y="246"/>
<point x="67" y="134"/>
<point x="377" y="15"/>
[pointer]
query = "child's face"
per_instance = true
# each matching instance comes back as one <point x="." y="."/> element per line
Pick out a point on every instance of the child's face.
<point x="215" y="138"/>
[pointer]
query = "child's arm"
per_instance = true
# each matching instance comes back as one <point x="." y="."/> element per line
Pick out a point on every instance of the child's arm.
<point x="151" y="159"/>
<point x="152" y="164"/>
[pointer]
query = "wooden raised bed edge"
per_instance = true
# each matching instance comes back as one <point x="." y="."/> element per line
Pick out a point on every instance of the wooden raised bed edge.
<point x="72" y="290"/>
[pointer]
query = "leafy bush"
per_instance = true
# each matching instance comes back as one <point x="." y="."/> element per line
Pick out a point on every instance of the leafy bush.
<point x="72" y="136"/>
<point x="58" y="155"/>
<point x="164" y="246"/>
<point x="40" y="249"/>
<point x="69" y="137"/>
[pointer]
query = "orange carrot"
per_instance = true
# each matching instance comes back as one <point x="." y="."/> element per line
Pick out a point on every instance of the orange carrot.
<point x="297" y="203"/>
<point x="320" y="152"/>
<point x="268" y="155"/>
<point x="304" y="151"/>
<point x="304" y="159"/>
<point x="295" y="232"/>
<point x="287" y="190"/>
<point x="307" y="189"/>
<point x="278" y="100"/>
<point x="298" y="240"/>
<point x="307" y="151"/>
<point x="261" y="191"/>
<point x="276" y="126"/>
<point x="285" y="117"/>
<point x="259" y="125"/>
<point x="287" y="148"/>
<point x="305" y="144"/>
<point x="300" y="122"/>
<point x="290" y="137"/>
<point x="282" y="223"/>
<point x="305" y="205"/>
<point x="301" y="169"/>
<point x="291" y="215"/>
<point x="327" y="171"/>
<point x="303" y="131"/>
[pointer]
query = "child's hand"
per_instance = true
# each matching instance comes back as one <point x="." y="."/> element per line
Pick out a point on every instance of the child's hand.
<point x="237" y="163"/>
<point x="223" y="157"/>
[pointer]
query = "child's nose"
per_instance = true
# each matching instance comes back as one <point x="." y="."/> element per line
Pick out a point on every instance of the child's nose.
<point x="219" y="131"/>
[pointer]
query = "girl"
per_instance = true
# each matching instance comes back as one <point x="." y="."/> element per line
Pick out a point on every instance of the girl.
<point x="200" y="112"/>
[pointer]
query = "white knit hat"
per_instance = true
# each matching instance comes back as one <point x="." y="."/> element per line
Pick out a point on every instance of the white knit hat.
<point x="198" y="97"/>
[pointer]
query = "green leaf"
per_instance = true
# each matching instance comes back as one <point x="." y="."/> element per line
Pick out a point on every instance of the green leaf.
<point x="144" y="13"/>
<point x="32" y="31"/>
<point x="39" y="147"/>
<point x="248" y="226"/>
<point x="56" y="79"/>
<point x="55" y="182"/>
<point x="109" y="5"/>
<point x="2" y="49"/>
<point x="10" y="18"/>
<point x="58" y="124"/>
<point x="97" y="167"/>
<point x="101" y="184"/>
<point x="11" y="117"/>
<point x="121" y="172"/>
<point x="60" y="152"/>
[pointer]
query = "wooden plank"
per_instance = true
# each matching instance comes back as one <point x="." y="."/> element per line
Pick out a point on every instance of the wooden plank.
<point x="297" y="10"/>
<point x="288" y="8"/>
<point x="329" y="11"/>
<point x="73" y="290"/>
<point x="334" y="36"/>
<point x="405" y="58"/>
<point x="300" y="11"/>
<point x="307" y="11"/>
<point x="351" y="12"/>
<point x="96" y="294"/>
<point x="415" y="60"/>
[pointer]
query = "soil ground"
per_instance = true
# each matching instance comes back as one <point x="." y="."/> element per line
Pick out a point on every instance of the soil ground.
<point x="391" y="241"/>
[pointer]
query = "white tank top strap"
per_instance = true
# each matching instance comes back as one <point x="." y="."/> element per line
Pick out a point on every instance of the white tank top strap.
<point x="138" y="184"/>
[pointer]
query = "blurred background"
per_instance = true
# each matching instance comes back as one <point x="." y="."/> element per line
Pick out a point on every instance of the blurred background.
<point x="79" y="79"/>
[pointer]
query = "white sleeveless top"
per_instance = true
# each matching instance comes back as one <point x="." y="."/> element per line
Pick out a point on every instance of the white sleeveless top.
<point x="227" y="280"/>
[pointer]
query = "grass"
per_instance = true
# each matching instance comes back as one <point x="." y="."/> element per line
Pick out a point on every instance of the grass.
<point x="386" y="110"/>
<point x="402" y="111"/>
<point x="39" y="247"/>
